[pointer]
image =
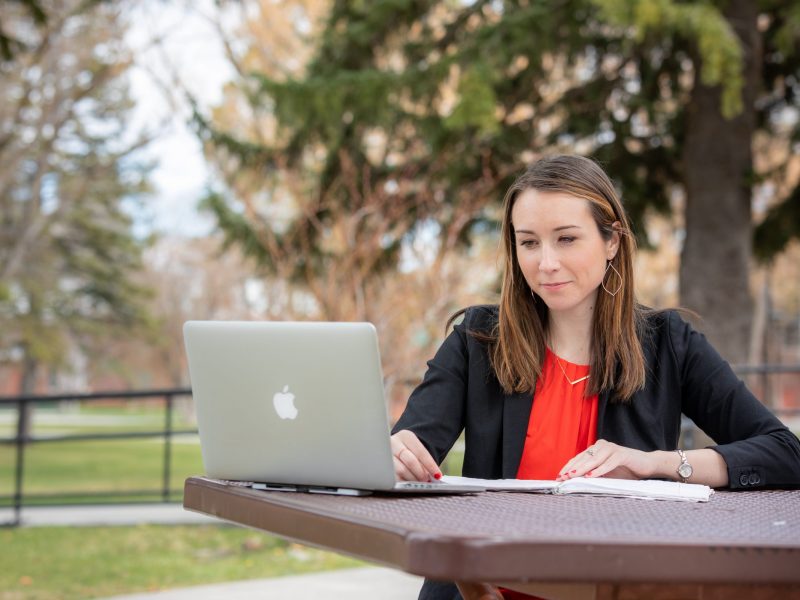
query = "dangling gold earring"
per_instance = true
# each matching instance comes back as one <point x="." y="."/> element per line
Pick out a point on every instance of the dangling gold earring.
<point x="603" y="282"/>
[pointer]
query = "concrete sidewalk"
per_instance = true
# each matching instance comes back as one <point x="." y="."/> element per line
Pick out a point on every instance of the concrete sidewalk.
<point x="366" y="583"/>
<point x="100" y="515"/>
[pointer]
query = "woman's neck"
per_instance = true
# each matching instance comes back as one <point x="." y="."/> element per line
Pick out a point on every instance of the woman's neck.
<point x="570" y="338"/>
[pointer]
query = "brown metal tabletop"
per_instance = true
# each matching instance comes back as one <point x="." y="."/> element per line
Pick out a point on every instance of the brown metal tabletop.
<point x="736" y="538"/>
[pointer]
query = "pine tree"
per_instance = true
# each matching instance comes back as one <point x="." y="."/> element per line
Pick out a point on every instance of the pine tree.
<point x="442" y="103"/>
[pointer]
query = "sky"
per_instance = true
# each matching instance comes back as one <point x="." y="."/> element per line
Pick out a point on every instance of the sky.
<point x="190" y="48"/>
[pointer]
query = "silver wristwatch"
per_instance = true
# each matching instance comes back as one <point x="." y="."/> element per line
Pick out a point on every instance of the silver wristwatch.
<point x="685" y="470"/>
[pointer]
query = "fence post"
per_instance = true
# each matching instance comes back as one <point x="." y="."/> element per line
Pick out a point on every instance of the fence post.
<point x="22" y="428"/>
<point x="165" y="490"/>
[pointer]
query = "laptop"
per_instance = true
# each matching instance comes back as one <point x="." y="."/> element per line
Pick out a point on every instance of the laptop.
<point x="295" y="406"/>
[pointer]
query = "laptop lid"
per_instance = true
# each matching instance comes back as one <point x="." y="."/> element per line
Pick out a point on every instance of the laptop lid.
<point x="293" y="403"/>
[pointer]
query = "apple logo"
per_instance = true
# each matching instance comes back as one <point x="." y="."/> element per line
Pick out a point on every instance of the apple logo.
<point x="284" y="404"/>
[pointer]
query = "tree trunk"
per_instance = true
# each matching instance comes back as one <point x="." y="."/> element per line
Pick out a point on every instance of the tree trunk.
<point x="717" y="163"/>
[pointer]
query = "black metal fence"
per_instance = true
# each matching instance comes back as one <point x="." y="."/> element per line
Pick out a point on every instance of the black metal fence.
<point x="23" y="438"/>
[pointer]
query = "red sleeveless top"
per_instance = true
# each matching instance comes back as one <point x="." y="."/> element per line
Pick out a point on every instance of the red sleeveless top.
<point x="562" y="424"/>
<point x="563" y="421"/>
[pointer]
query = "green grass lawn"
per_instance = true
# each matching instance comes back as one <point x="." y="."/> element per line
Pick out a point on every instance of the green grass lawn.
<point x="89" y="562"/>
<point x="85" y="418"/>
<point x="66" y="472"/>
<point x="114" y="465"/>
<point x="98" y="466"/>
<point x="65" y="563"/>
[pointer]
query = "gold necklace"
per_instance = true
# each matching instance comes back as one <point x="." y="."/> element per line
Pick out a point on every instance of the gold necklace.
<point x="558" y="362"/>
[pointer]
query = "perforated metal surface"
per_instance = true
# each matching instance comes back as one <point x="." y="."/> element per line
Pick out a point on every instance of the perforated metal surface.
<point x="742" y="537"/>
<point x="766" y="519"/>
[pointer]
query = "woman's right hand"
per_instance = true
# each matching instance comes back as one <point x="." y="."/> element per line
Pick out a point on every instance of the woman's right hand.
<point x="412" y="461"/>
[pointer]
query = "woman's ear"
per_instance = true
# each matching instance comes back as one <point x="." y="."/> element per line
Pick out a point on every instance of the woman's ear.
<point x="613" y="243"/>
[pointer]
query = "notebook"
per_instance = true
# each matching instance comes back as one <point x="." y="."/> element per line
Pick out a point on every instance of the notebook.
<point x="647" y="489"/>
<point x="295" y="406"/>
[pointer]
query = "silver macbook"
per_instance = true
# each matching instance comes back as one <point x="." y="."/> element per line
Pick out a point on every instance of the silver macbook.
<point x="294" y="406"/>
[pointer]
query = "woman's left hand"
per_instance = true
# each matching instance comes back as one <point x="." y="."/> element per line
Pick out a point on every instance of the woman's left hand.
<point x="606" y="459"/>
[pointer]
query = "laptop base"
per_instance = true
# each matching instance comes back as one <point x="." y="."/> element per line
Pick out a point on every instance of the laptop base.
<point x="405" y="487"/>
<point x="311" y="489"/>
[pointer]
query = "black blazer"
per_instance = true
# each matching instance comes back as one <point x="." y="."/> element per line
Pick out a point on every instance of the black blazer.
<point x="684" y="375"/>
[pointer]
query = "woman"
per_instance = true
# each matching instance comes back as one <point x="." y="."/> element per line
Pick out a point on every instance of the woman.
<point x="570" y="377"/>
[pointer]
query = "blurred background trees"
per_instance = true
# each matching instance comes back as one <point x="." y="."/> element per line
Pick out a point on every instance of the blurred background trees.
<point x="67" y="251"/>
<point x="361" y="151"/>
<point x="422" y="112"/>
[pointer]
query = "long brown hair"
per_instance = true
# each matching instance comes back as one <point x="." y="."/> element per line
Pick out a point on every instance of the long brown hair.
<point x="518" y="341"/>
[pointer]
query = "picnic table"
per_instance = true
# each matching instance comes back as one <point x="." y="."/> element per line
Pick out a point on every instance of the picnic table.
<point x="738" y="545"/>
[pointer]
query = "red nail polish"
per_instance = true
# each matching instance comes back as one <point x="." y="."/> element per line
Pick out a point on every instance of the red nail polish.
<point x="589" y="474"/>
<point x="438" y="475"/>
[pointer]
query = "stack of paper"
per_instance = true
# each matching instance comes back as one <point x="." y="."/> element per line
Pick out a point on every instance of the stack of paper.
<point x="651" y="489"/>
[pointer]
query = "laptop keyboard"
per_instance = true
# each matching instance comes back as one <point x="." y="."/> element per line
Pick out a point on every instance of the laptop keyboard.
<point x="416" y="485"/>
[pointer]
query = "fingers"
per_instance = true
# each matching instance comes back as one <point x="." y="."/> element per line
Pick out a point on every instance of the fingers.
<point x="409" y="467"/>
<point x="401" y="472"/>
<point x="595" y="461"/>
<point x="606" y="458"/>
<point x="422" y="455"/>
<point x="412" y="461"/>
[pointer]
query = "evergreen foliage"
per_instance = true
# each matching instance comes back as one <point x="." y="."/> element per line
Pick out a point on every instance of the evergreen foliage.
<point x="466" y="93"/>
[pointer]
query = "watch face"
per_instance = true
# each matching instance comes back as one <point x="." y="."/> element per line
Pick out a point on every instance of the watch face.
<point x="685" y="470"/>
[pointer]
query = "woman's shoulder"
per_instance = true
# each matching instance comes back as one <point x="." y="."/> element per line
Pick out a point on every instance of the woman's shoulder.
<point x="479" y="317"/>
<point x="657" y="318"/>
<point x="663" y="318"/>
<point x="668" y="327"/>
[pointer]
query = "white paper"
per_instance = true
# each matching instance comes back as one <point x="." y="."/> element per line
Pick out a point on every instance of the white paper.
<point x="650" y="489"/>
<point x="519" y="485"/>
<point x="632" y="488"/>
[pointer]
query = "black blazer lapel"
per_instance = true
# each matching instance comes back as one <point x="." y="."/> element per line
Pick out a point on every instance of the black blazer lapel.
<point x="516" y="414"/>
